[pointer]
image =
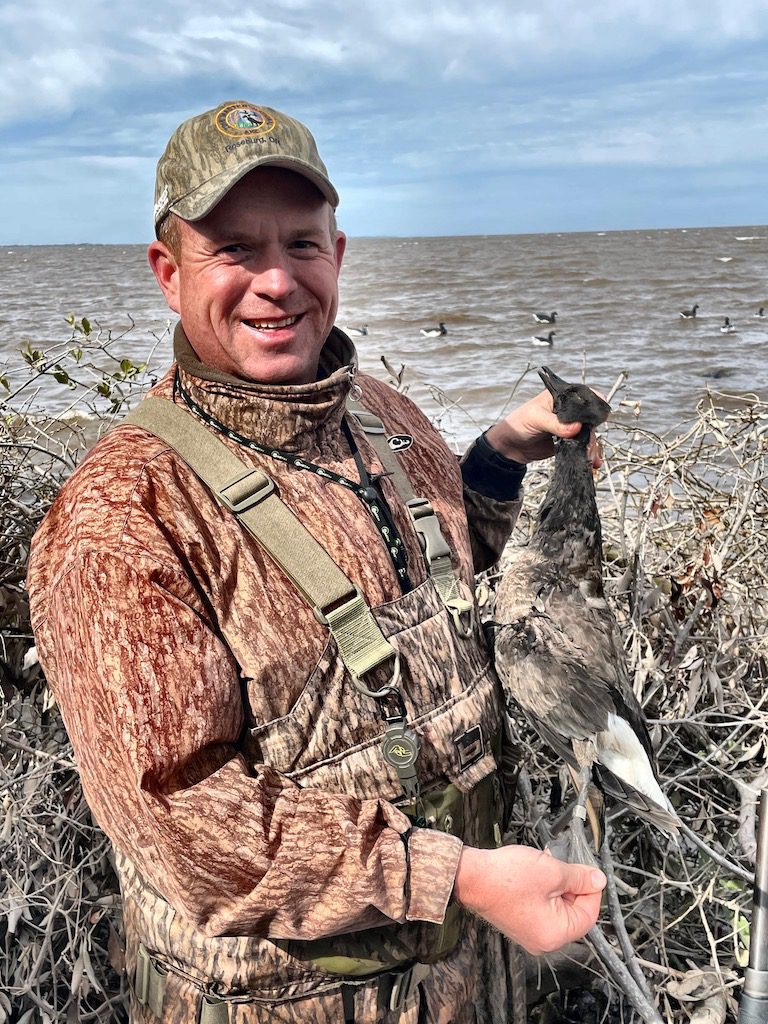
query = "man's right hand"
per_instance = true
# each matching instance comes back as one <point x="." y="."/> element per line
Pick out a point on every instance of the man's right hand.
<point x="537" y="901"/>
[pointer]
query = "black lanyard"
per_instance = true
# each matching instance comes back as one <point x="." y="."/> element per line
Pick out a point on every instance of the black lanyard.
<point x="366" y="490"/>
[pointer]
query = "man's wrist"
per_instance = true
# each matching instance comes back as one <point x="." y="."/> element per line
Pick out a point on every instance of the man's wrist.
<point x="468" y="871"/>
<point x="503" y="441"/>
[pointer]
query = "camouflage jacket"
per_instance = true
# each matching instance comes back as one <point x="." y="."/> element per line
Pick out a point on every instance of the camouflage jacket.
<point x="183" y="662"/>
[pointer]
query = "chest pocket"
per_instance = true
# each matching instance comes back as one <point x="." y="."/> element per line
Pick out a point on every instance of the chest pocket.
<point x="332" y="736"/>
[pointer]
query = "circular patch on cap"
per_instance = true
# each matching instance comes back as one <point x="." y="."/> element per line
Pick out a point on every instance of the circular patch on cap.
<point x="239" y="120"/>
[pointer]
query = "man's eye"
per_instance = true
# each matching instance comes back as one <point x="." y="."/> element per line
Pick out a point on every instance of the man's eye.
<point x="233" y="248"/>
<point x="303" y="243"/>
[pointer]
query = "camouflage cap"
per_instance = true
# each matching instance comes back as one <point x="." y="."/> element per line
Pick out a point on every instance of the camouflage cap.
<point x="209" y="153"/>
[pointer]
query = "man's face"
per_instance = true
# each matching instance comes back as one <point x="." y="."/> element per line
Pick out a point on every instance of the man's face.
<point x="257" y="282"/>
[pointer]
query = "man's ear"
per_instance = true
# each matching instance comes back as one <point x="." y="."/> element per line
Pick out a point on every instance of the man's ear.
<point x="340" y="247"/>
<point x="166" y="271"/>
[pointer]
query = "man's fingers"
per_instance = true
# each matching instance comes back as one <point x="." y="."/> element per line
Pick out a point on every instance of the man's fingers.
<point x="582" y="914"/>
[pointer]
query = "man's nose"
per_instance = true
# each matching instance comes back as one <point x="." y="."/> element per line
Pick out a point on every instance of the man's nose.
<point x="274" y="277"/>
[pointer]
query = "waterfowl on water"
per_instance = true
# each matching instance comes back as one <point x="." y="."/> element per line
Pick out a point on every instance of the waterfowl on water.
<point x="728" y="327"/>
<point x="359" y="331"/>
<point x="558" y="648"/>
<point x="541" y="339"/>
<point x="434" y="332"/>
<point x="689" y="314"/>
<point x="545" y="318"/>
<point x="760" y="312"/>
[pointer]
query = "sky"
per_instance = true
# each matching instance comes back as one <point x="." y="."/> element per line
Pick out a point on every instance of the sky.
<point x="434" y="118"/>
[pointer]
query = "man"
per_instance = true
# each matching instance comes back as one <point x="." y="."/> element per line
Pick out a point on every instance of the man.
<point x="259" y="626"/>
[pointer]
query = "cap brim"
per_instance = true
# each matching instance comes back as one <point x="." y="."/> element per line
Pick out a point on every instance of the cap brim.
<point x="196" y="204"/>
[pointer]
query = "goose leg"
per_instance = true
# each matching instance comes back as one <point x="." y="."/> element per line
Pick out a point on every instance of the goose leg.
<point x="579" y="849"/>
<point x="617" y="919"/>
<point x="615" y="968"/>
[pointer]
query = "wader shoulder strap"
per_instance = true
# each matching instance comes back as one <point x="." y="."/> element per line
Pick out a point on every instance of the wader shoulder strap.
<point x="425" y="522"/>
<point x="250" y="495"/>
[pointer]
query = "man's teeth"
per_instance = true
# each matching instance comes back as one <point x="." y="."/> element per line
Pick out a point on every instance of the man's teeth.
<point x="265" y="325"/>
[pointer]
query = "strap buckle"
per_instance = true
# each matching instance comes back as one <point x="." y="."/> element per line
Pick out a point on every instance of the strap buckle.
<point x="405" y="985"/>
<point x="462" y="613"/>
<point x="245" y="490"/>
<point x="428" y="529"/>
<point x="361" y="644"/>
<point x="369" y="423"/>
<point x="213" y="1010"/>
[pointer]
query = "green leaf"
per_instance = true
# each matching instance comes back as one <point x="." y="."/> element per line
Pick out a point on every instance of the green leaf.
<point x="76" y="353"/>
<point x="104" y="389"/>
<point x="741" y="927"/>
<point x="85" y="326"/>
<point x="126" y="366"/>
<point x="61" y="376"/>
<point x="731" y="884"/>
<point x="31" y="355"/>
<point x="4" y="382"/>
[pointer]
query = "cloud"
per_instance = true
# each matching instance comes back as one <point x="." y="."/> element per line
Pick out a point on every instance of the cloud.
<point x="73" y="51"/>
<point x="412" y="97"/>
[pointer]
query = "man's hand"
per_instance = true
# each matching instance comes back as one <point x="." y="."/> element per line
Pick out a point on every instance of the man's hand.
<point x="537" y="901"/>
<point x="525" y="435"/>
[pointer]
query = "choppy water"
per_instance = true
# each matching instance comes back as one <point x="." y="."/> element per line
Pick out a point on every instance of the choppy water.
<point x="617" y="294"/>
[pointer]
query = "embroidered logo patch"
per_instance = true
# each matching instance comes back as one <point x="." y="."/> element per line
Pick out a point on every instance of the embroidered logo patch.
<point x="400" y="442"/>
<point x="470" y="746"/>
<point x="239" y="121"/>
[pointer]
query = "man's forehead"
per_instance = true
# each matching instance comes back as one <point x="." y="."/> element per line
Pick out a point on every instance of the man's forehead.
<point x="251" y="206"/>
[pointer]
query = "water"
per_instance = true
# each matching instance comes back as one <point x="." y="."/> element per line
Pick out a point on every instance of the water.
<point x="617" y="294"/>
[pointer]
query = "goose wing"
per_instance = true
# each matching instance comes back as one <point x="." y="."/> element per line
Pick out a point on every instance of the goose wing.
<point x="559" y="655"/>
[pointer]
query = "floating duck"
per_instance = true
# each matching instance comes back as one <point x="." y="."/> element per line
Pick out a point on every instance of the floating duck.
<point x="558" y="648"/>
<point x="760" y="312"/>
<point x="728" y="327"/>
<point x="545" y="318"/>
<point x="689" y="314"/>
<point x="541" y="339"/>
<point x="359" y="331"/>
<point x="434" y="332"/>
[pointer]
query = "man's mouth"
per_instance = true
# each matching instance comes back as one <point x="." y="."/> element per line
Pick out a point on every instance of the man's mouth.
<point x="271" y="325"/>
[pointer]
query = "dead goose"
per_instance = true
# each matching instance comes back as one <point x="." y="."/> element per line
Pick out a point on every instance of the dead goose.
<point x="557" y="645"/>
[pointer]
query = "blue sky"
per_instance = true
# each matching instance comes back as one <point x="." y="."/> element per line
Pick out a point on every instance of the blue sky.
<point x="433" y="118"/>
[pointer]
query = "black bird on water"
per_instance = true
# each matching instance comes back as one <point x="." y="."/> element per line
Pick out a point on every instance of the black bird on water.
<point x="689" y="314"/>
<point x="544" y="339"/>
<point x="545" y="318"/>
<point x="557" y="645"/>
<point x="434" y="332"/>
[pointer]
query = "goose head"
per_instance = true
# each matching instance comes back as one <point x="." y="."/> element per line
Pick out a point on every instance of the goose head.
<point x="574" y="403"/>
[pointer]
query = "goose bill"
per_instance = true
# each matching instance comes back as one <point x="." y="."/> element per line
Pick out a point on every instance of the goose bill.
<point x="554" y="384"/>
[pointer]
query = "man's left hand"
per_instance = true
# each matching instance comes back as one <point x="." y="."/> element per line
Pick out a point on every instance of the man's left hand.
<point x="525" y="435"/>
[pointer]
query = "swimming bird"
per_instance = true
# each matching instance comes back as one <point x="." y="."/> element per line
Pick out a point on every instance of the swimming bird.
<point x="433" y="332"/>
<point x="359" y="331"/>
<point x="728" y="327"/>
<point x="540" y="339"/>
<point x="689" y="314"/>
<point x="760" y="312"/>
<point x="544" y="318"/>
<point x="557" y="646"/>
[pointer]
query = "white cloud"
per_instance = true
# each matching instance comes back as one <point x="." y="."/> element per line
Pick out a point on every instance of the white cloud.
<point x="55" y="58"/>
<point x="413" y="94"/>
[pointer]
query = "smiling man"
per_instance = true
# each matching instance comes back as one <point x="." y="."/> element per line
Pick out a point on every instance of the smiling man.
<point x="260" y="627"/>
